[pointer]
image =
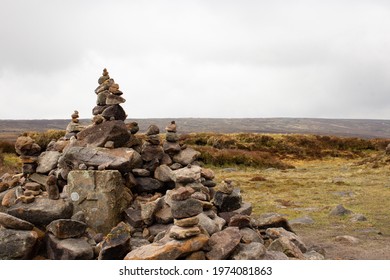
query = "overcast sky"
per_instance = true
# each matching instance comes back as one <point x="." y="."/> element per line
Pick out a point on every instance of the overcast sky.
<point x="228" y="59"/>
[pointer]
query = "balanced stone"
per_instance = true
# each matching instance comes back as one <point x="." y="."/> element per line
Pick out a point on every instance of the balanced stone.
<point x="187" y="222"/>
<point x="52" y="188"/>
<point x="101" y="98"/>
<point x="171" y="127"/>
<point x="186" y="208"/>
<point x="113" y="99"/>
<point x="114" y="112"/>
<point x="179" y="233"/>
<point x="153" y="130"/>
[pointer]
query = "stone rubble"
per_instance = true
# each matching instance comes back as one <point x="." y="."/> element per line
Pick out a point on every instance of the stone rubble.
<point x="105" y="192"/>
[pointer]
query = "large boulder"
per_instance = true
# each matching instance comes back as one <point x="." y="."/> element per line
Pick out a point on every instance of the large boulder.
<point x="16" y="244"/>
<point x="98" y="135"/>
<point x="42" y="211"/>
<point x="168" y="248"/>
<point x="122" y="159"/>
<point x="100" y="195"/>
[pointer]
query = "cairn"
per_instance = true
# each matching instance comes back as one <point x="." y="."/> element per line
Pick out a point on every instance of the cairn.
<point x="108" y="100"/>
<point x="105" y="192"/>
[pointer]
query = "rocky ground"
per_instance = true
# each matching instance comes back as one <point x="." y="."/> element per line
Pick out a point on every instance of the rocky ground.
<point x="308" y="194"/>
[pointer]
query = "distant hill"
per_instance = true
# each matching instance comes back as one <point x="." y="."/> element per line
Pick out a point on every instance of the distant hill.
<point x="10" y="129"/>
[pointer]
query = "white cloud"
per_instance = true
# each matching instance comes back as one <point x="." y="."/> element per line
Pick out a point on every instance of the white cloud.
<point x="197" y="58"/>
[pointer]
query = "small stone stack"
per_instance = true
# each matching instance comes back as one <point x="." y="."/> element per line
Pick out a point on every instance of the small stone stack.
<point x="73" y="127"/>
<point x="108" y="100"/>
<point x="28" y="151"/>
<point x="151" y="152"/>
<point x="185" y="210"/>
<point x="171" y="145"/>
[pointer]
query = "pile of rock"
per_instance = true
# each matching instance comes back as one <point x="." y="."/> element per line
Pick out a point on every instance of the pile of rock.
<point x="107" y="193"/>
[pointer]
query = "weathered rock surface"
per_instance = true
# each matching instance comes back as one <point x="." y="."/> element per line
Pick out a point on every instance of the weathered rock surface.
<point x="285" y="245"/>
<point x="223" y="243"/>
<point x="251" y="251"/>
<point x="124" y="159"/>
<point x="98" y="135"/>
<point x="100" y="195"/>
<point x="116" y="244"/>
<point x="68" y="249"/>
<point x="187" y="175"/>
<point x="66" y="228"/>
<point x="16" y="244"/>
<point x="186" y="208"/>
<point x="11" y="222"/>
<point x="186" y="156"/>
<point x="168" y="248"/>
<point x="48" y="161"/>
<point x="42" y="211"/>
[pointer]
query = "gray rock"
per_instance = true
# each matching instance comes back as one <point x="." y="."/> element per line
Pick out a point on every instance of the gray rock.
<point x="347" y="239"/>
<point x="340" y="210"/>
<point x="240" y="221"/>
<point x="186" y="156"/>
<point x="163" y="173"/>
<point x="186" y="208"/>
<point x="358" y="218"/>
<point x="141" y="172"/>
<point x="187" y="174"/>
<point x="116" y="244"/>
<point x="180" y="233"/>
<point x="249" y="235"/>
<point x="148" y="209"/>
<point x="134" y="218"/>
<point x="147" y="184"/>
<point x="271" y="220"/>
<point x="100" y="195"/>
<point x="66" y="228"/>
<point x="113" y="99"/>
<point x="285" y="245"/>
<point x="223" y="243"/>
<point x="11" y="222"/>
<point x="101" y="98"/>
<point x="208" y="224"/>
<point x="228" y="203"/>
<point x="42" y="211"/>
<point x="151" y="152"/>
<point x="171" y="137"/>
<point x="275" y="233"/>
<point x="97" y="110"/>
<point x="153" y="130"/>
<point x="98" y="135"/>
<point x="17" y="244"/>
<point x="68" y="249"/>
<point x="114" y="112"/>
<point x="251" y="251"/>
<point x="47" y="161"/>
<point x="26" y="146"/>
<point x="164" y="215"/>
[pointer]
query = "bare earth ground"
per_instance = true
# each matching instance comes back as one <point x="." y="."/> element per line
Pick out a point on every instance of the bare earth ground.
<point x="313" y="189"/>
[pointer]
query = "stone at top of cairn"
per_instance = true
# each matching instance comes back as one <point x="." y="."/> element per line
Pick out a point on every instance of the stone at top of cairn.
<point x="104" y="76"/>
<point x="171" y="127"/>
<point x="75" y="116"/>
